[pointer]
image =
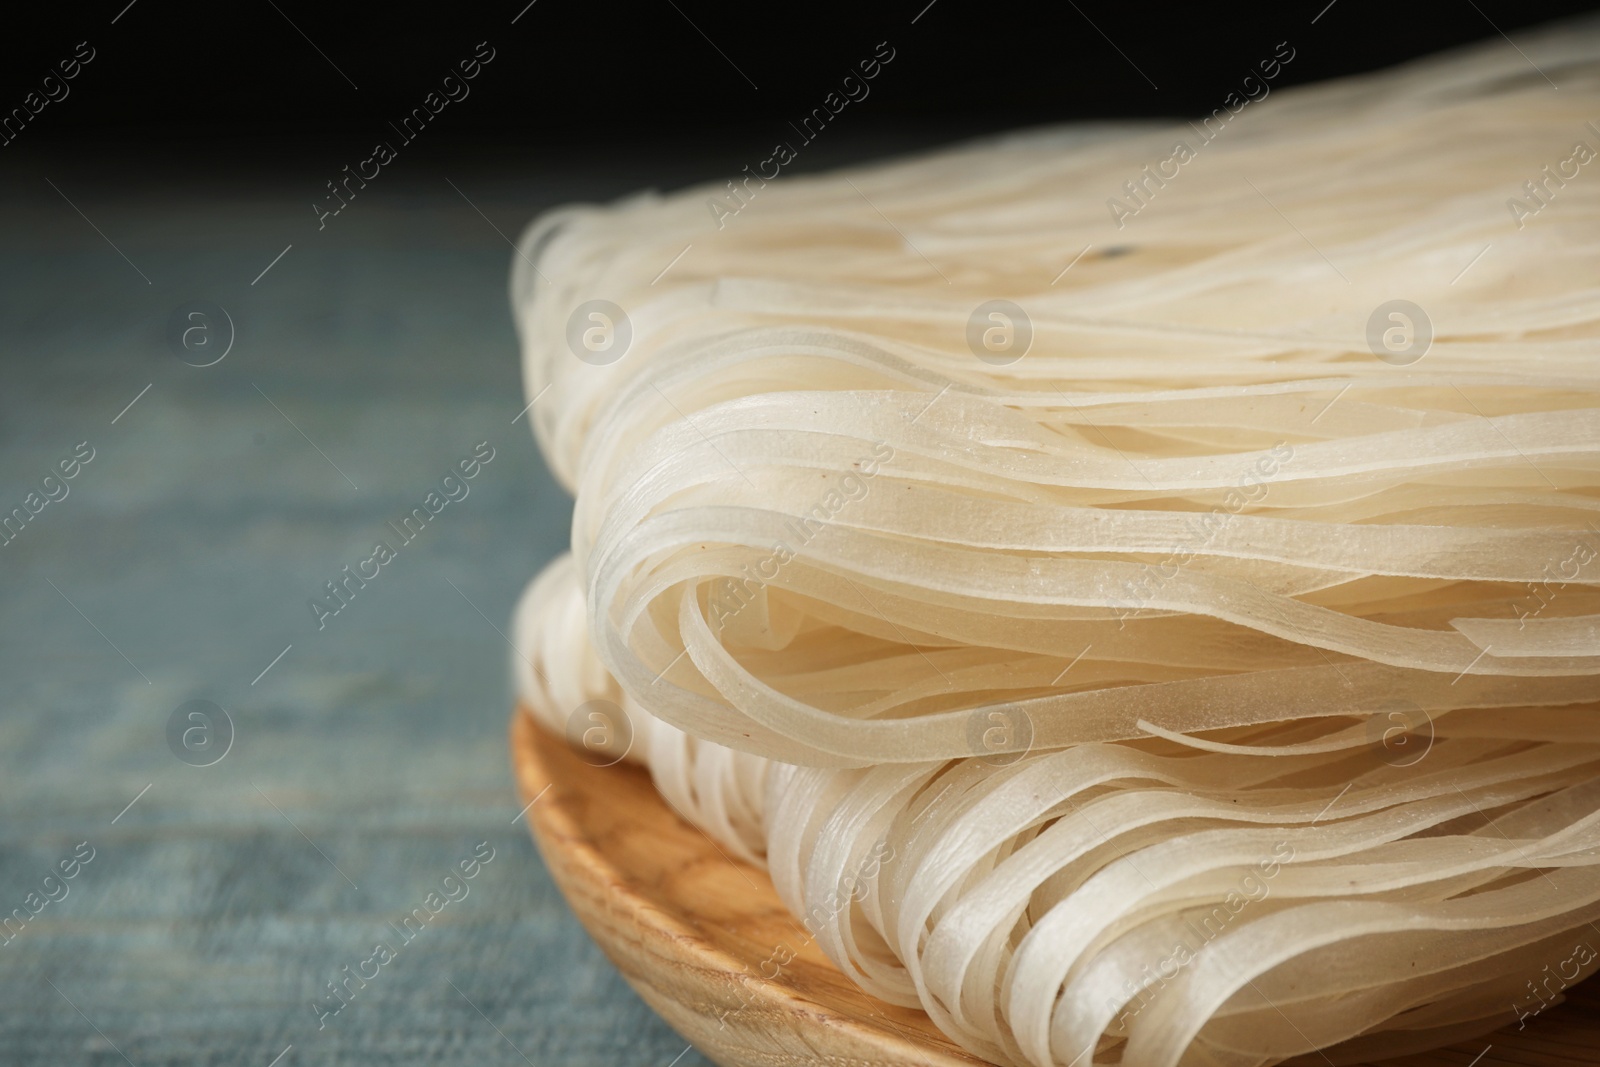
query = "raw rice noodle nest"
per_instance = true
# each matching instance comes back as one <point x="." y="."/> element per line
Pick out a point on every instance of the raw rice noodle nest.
<point x="1134" y="587"/>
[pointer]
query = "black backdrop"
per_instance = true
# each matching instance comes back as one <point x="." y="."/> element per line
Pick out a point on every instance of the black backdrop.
<point x="207" y="79"/>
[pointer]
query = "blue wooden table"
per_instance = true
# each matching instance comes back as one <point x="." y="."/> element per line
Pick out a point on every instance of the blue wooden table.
<point x="368" y="757"/>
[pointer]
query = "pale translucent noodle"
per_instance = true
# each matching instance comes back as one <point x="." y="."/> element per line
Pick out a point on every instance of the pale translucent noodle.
<point x="1069" y="698"/>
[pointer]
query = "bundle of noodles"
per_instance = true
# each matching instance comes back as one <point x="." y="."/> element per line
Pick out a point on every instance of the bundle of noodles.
<point x="1203" y="661"/>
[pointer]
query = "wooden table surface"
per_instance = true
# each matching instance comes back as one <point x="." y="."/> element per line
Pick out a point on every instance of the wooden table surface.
<point x="370" y="759"/>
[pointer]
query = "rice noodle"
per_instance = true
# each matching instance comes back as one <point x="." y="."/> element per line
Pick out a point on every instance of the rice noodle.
<point x="1201" y="685"/>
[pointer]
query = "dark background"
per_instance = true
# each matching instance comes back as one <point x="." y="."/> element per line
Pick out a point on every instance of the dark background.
<point x="257" y="80"/>
<point x="369" y="357"/>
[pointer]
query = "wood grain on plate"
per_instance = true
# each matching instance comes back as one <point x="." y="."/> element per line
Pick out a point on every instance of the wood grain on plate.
<point x="703" y="937"/>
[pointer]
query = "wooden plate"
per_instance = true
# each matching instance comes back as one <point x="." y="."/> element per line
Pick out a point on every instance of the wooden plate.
<point x="705" y="941"/>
